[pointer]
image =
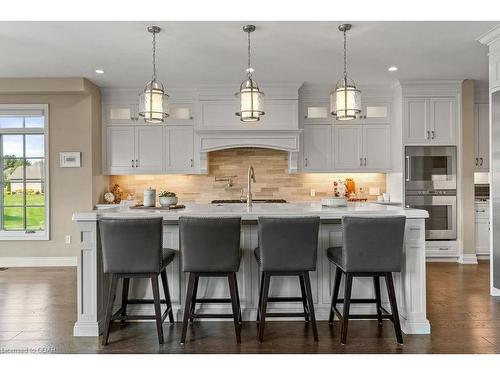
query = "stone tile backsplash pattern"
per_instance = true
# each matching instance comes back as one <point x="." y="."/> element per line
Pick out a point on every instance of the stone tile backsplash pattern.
<point x="273" y="180"/>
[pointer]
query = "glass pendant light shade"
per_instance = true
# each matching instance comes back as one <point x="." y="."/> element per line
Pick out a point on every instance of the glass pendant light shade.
<point x="251" y="102"/>
<point x="153" y="104"/>
<point x="345" y="100"/>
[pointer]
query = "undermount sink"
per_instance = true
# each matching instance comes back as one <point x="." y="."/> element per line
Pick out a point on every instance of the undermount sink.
<point x="220" y="201"/>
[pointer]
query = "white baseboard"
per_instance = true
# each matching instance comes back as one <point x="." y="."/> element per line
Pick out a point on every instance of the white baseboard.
<point x="38" y="261"/>
<point x="483" y="256"/>
<point x="441" y="259"/>
<point x="468" y="259"/>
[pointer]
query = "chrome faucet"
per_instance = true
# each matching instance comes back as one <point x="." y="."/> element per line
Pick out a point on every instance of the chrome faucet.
<point x="251" y="177"/>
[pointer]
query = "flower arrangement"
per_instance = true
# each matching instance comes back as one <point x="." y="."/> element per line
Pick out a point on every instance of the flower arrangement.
<point x="164" y="193"/>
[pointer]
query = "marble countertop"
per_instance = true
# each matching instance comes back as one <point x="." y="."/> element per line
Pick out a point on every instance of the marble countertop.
<point x="258" y="209"/>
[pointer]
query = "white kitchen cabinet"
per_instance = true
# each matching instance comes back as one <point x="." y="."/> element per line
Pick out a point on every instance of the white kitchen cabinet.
<point x="482" y="137"/>
<point x="122" y="114"/>
<point x="362" y="148"/>
<point x="148" y="148"/>
<point x="120" y="150"/>
<point x="181" y="114"/>
<point x="430" y="120"/>
<point x="316" y="112"/>
<point x="482" y="227"/>
<point x="179" y="149"/>
<point x="317" y="148"/>
<point x="376" y="147"/>
<point x="134" y="149"/>
<point x="371" y="112"/>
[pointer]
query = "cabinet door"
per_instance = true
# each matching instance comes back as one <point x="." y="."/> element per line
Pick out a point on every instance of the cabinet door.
<point x="179" y="156"/>
<point x="377" y="112"/>
<point x="149" y="148"/>
<point x="122" y="114"/>
<point x="416" y="120"/>
<point x="443" y="120"/>
<point x="120" y="152"/>
<point x="181" y="114"/>
<point x="317" y="112"/>
<point x="377" y="147"/>
<point x="482" y="142"/>
<point x="317" y="148"/>
<point x="482" y="237"/>
<point x="348" y="147"/>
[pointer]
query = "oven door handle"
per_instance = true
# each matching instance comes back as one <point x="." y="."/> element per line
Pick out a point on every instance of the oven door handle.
<point x="408" y="168"/>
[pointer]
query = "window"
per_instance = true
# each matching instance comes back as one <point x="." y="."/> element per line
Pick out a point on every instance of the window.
<point x="24" y="209"/>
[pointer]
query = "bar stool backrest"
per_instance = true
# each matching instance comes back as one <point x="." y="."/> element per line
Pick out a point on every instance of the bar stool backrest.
<point x="131" y="245"/>
<point x="210" y="244"/>
<point x="373" y="244"/>
<point x="288" y="244"/>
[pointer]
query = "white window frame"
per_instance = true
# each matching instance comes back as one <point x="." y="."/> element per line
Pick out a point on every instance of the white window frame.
<point x="37" y="235"/>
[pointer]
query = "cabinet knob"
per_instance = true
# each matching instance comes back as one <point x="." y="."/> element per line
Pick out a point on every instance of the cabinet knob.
<point x="433" y="134"/>
<point x="133" y="166"/>
<point x="360" y="162"/>
<point x="477" y="162"/>
<point x="192" y="163"/>
<point x="136" y="163"/>
<point x="365" y="162"/>
<point x="306" y="162"/>
<point x="481" y="162"/>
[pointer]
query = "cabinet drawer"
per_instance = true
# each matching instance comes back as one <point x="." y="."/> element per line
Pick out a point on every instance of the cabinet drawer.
<point x="481" y="211"/>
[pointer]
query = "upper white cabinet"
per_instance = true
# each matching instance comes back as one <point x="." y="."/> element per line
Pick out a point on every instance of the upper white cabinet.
<point x="372" y="113"/>
<point x="317" y="148"/>
<point x="362" y="148"/>
<point x="134" y="149"/>
<point x="179" y="151"/>
<point x="430" y="120"/>
<point x="316" y="112"/>
<point x="220" y="114"/>
<point x="122" y="114"/>
<point x="181" y="114"/>
<point x="482" y="137"/>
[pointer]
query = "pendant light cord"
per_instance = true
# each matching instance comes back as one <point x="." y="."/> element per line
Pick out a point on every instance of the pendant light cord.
<point x="345" y="55"/>
<point x="249" y="69"/>
<point x="154" y="56"/>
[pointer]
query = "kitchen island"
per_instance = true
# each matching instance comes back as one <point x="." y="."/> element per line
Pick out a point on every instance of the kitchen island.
<point x="410" y="284"/>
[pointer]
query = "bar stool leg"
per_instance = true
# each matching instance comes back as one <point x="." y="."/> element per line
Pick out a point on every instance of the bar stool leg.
<point x="125" y="286"/>
<point x="347" y="302"/>
<point x="234" y="302"/>
<point x="263" y="307"/>
<point x="335" y="295"/>
<point x="394" y="306"/>
<point x="240" y="319"/>
<point x="310" y="303"/>
<point x="193" y="300"/>
<point x="109" y="308"/>
<point x="166" y="291"/>
<point x="260" y="296"/>
<point x="156" y="300"/>
<point x="376" y="283"/>
<point x="187" y="306"/>
<point x="304" y="297"/>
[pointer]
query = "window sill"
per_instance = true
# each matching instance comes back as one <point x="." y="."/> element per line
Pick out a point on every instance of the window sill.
<point x="19" y="236"/>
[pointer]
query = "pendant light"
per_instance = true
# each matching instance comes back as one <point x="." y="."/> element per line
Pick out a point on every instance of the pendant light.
<point x="250" y="96"/>
<point x="345" y="101"/>
<point x="153" y="101"/>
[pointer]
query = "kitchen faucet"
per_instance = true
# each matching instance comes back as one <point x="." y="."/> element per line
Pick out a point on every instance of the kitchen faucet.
<point x="251" y="177"/>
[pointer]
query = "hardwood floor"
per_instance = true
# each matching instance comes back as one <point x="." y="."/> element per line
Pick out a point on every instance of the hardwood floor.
<point x="38" y="309"/>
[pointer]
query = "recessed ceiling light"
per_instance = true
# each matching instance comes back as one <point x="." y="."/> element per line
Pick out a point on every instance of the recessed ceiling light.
<point x="392" y="68"/>
<point x="99" y="71"/>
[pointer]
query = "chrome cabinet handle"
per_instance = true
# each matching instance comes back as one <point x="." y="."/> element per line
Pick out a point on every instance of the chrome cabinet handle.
<point x="480" y="210"/>
<point x="365" y="162"/>
<point x="192" y="163"/>
<point x="481" y="162"/>
<point x="360" y="162"/>
<point x="136" y="163"/>
<point x="443" y="248"/>
<point x="133" y="166"/>
<point x="477" y="162"/>
<point x="306" y="162"/>
<point x="433" y="134"/>
<point x="428" y="135"/>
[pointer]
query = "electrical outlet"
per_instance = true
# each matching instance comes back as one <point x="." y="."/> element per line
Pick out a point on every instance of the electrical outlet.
<point x="67" y="239"/>
<point x="313" y="193"/>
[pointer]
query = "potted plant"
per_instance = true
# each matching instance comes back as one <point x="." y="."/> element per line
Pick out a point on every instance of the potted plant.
<point x="167" y="198"/>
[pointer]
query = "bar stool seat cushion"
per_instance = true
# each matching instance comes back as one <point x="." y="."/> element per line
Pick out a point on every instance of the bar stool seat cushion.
<point x="335" y="256"/>
<point x="167" y="256"/>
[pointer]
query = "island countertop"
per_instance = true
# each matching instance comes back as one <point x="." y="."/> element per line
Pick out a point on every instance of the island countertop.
<point x="258" y="209"/>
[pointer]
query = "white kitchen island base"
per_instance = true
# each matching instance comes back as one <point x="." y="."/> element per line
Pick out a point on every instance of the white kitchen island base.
<point x="410" y="284"/>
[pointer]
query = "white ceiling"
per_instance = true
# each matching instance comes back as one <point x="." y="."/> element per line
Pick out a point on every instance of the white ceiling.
<point x="193" y="53"/>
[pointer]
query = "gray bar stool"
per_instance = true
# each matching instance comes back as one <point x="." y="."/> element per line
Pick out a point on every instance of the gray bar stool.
<point x="133" y="248"/>
<point x="372" y="247"/>
<point x="287" y="247"/>
<point x="210" y="247"/>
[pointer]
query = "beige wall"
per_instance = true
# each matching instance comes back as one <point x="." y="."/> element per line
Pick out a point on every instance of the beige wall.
<point x="467" y="169"/>
<point x="270" y="167"/>
<point x="74" y="125"/>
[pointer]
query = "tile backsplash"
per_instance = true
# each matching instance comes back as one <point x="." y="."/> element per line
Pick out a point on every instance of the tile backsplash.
<point x="273" y="180"/>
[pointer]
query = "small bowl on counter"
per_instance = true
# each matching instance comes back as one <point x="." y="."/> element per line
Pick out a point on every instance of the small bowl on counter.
<point x="168" y="201"/>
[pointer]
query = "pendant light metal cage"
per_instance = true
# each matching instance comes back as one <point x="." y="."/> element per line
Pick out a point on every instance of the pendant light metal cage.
<point x="345" y="100"/>
<point x="249" y="96"/>
<point x="153" y="101"/>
